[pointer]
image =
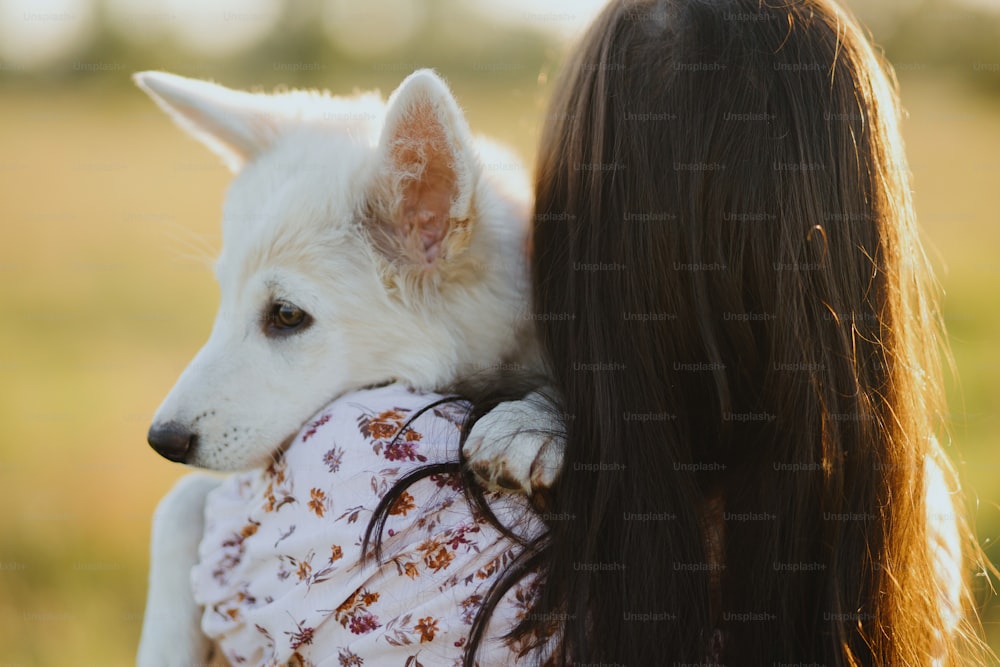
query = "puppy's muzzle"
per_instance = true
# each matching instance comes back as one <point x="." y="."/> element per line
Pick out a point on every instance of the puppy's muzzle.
<point x="172" y="441"/>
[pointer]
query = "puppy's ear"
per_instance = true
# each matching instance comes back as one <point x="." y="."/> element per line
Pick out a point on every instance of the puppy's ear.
<point x="423" y="196"/>
<point x="233" y="124"/>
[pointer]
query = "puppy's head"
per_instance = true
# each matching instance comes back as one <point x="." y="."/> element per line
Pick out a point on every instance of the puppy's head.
<point x="362" y="242"/>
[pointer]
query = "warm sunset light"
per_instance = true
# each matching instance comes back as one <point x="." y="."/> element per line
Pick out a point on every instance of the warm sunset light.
<point x="111" y="214"/>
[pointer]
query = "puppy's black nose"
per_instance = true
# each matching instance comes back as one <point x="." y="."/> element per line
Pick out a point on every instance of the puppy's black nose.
<point x="171" y="440"/>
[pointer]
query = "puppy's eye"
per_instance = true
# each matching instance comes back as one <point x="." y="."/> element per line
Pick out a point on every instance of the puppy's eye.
<point x="284" y="318"/>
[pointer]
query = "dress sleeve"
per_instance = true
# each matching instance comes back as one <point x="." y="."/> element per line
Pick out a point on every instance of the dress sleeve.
<point x="281" y="575"/>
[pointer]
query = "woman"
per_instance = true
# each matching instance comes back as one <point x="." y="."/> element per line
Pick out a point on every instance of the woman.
<point x="742" y="328"/>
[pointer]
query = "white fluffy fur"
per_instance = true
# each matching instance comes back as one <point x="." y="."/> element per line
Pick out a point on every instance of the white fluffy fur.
<point x="294" y="228"/>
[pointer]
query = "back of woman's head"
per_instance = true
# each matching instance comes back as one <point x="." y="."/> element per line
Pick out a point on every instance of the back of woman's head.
<point x="740" y="321"/>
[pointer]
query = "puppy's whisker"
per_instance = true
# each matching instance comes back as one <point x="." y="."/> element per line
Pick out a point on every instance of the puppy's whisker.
<point x="192" y="245"/>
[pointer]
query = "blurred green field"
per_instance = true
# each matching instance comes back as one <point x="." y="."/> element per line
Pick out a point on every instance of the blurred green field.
<point x="110" y="218"/>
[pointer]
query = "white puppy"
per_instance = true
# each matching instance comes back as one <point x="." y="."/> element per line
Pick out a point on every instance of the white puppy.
<point x="363" y="242"/>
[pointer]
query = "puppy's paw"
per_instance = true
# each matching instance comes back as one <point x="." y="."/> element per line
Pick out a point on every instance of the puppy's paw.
<point x="518" y="445"/>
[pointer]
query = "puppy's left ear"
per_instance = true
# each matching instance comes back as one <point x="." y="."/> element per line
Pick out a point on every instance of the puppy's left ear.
<point x="426" y="179"/>
<point x="233" y="124"/>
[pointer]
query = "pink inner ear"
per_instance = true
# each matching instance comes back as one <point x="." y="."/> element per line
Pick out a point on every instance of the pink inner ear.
<point x="422" y="152"/>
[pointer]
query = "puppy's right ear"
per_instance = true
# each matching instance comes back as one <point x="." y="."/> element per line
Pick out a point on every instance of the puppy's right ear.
<point x="427" y="177"/>
<point x="233" y="124"/>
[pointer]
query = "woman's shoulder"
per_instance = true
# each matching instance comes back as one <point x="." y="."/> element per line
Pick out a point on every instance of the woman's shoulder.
<point x="388" y="397"/>
<point x="385" y="394"/>
<point x="282" y="556"/>
<point x="391" y="422"/>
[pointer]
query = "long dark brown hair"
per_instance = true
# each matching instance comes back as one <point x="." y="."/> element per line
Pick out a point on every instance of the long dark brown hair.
<point x="742" y="331"/>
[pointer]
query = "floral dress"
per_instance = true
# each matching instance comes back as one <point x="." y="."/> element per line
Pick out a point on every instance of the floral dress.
<point x="281" y="577"/>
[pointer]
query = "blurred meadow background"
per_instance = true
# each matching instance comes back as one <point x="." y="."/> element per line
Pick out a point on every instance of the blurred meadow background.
<point x="110" y="216"/>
